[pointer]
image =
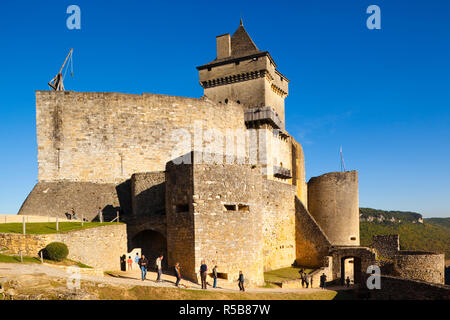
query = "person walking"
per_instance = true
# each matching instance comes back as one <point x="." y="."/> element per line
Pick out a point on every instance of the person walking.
<point x="323" y="281"/>
<point x="143" y="262"/>
<point x="130" y="263"/>
<point x="177" y="274"/>
<point x="159" y="267"/>
<point x="241" y="281"/>
<point x="214" y="272"/>
<point x="302" y="277"/>
<point x="347" y="281"/>
<point x="203" y="273"/>
<point x="307" y="281"/>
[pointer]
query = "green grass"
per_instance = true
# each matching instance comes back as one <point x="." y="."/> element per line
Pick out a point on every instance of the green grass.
<point x="16" y="259"/>
<point x="284" y="274"/>
<point x="49" y="227"/>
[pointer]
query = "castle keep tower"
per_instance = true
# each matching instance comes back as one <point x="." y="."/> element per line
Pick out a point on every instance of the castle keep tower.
<point x="243" y="73"/>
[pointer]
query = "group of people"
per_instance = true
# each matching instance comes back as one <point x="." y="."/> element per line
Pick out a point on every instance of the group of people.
<point x="305" y="278"/>
<point x="204" y="274"/>
<point x="143" y="266"/>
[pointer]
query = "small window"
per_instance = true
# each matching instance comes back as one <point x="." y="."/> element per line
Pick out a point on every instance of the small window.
<point x="209" y="68"/>
<point x="230" y="207"/>
<point x="182" y="208"/>
<point x="243" y="207"/>
<point x="353" y="238"/>
<point x="238" y="102"/>
<point x="226" y="100"/>
<point x="237" y="62"/>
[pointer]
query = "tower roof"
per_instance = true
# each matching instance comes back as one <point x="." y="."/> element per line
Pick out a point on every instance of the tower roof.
<point x="242" y="46"/>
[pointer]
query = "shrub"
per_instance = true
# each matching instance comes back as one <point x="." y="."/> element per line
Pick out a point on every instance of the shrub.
<point x="56" y="251"/>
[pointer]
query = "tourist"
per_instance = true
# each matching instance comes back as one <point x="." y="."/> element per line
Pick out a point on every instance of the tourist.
<point x="306" y="280"/>
<point x="347" y="281"/>
<point x="130" y="263"/>
<point x="143" y="265"/>
<point x="177" y="274"/>
<point x="159" y="267"/>
<point x="323" y="281"/>
<point x="203" y="270"/>
<point x="74" y="215"/>
<point x="136" y="258"/>
<point x="214" y="273"/>
<point x="241" y="281"/>
<point x="302" y="277"/>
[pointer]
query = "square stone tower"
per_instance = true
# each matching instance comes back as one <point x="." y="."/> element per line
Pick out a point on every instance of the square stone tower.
<point x="243" y="73"/>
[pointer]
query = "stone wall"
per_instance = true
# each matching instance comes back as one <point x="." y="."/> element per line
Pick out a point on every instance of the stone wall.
<point x="148" y="192"/>
<point x="333" y="202"/>
<point x="180" y="219"/>
<point x="99" y="247"/>
<point x="106" y="137"/>
<point x="228" y="220"/>
<point x="386" y="246"/>
<point x="312" y="245"/>
<point x="54" y="199"/>
<point x="417" y="265"/>
<point x="298" y="172"/>
<point x="278" y="205"/>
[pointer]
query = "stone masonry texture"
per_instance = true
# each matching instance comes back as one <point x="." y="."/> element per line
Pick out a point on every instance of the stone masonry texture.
<point x="99" y="247"/>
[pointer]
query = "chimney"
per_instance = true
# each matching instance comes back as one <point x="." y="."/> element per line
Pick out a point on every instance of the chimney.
<point x="223" y="46"/>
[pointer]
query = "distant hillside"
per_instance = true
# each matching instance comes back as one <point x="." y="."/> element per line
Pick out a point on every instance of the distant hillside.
<point x="375" y="215"/>
<point x="431" y="234"/>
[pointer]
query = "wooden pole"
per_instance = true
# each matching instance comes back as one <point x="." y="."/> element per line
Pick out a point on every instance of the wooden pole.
<point x="42" y="257"/>
<point x="117" y="216"/>
<point x="21" y="256"/>
<point x="23" y="225"/>
<point x="57" y="225"/>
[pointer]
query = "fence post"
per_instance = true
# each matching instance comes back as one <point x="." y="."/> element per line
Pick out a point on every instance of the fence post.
<point x="101" y="217"/>
<point x="57" y="225"/>
<point x="117" y="216"/>
<point x="23" y="225"/>
<point x="21" y="256"/>
<point x="42" y="257"/>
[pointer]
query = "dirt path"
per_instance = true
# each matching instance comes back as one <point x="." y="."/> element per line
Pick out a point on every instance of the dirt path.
<point x="131" y="278"/>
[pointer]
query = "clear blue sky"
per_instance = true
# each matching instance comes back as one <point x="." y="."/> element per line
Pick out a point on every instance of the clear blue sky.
<point x="384" y="95"/>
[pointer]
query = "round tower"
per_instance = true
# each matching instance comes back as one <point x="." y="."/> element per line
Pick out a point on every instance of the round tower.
<point x="334" y="202"/>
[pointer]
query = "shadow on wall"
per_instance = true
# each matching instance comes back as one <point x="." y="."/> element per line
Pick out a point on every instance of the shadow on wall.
<point x="151" y="201"/>
<point x="124" y="195"/>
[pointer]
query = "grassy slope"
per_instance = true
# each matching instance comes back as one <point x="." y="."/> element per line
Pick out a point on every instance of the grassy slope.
<point x="284" y="274"/>
<point x="49" y="227"/>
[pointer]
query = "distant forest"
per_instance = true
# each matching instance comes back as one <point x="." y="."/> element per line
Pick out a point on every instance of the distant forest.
<point x="431" y="235"/>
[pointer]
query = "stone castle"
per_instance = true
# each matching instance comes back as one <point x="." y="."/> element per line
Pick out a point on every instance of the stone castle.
<point x="216" y="178"/>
